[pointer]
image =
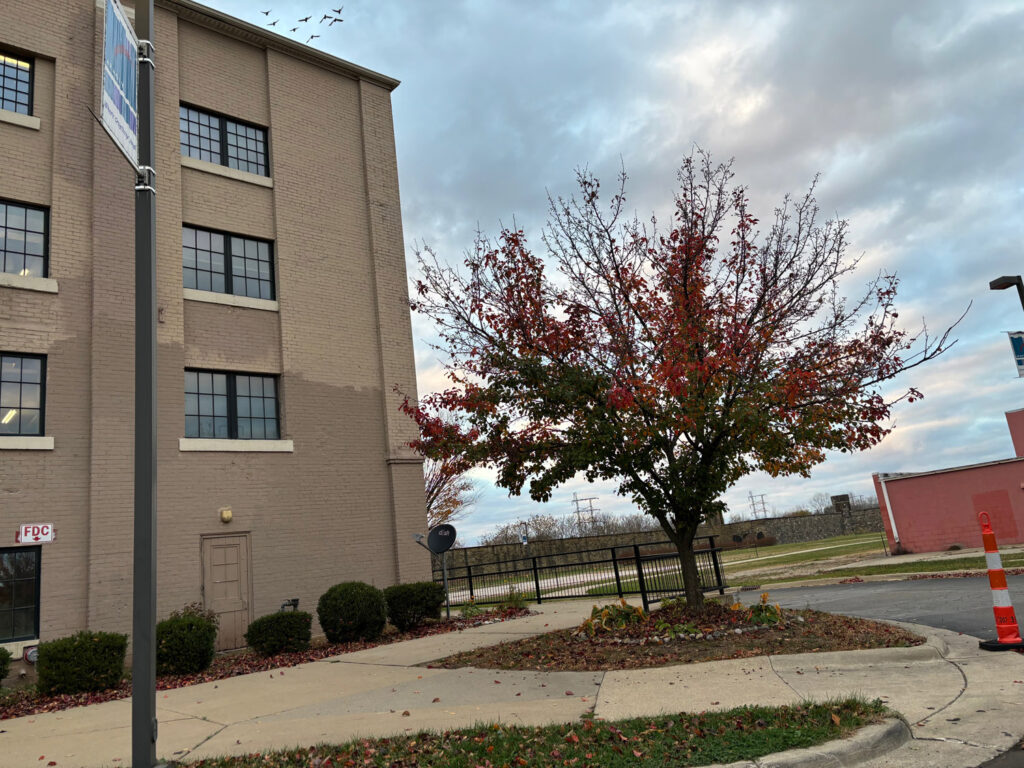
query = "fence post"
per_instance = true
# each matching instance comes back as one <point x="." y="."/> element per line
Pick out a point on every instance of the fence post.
<point x="469" y="578"/>
<point x="536" y="580"/>
<point x="618" y="578"/>
<point x="716" y="566"/>
<point x="640" y="578"/>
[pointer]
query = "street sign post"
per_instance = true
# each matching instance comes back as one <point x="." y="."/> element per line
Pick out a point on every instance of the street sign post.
<point x="440" y="539"/>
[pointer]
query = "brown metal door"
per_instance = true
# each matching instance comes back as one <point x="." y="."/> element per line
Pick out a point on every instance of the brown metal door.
<point x="226" y="587"/>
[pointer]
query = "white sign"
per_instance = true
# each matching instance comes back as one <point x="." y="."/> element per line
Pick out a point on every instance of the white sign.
<point x="1017" y="342"/>
<point x="36" y="533"/>
<point x="119" y="111"/>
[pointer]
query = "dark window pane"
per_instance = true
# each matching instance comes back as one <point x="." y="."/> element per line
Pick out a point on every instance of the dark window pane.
<point x="29" y="421"/>
<point x="25" y="622"/>
<point x="25" y="592"/>
<point x="10" y="394"/>
<point x="192" y="426"/>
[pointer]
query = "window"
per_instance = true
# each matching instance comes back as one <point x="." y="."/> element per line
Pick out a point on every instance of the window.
<point x="230" y="405"/>
<point x="15" y="84"/>
<point x="23" y="240"/>
<point x="21" y="394"/>
<point x="204" y="263"/>
<point x="221" y="140"/>
<point x="19" y="594"/>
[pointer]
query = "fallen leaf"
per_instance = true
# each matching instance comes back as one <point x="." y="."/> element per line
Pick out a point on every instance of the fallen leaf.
<point x="406" y="713"/>
<point x="436" y="699"/>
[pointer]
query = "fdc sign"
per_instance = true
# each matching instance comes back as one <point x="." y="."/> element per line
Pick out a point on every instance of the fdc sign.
<point x="35" y="533"/>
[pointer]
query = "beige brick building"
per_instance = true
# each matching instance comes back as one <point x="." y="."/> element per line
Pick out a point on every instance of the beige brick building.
<point x="283" y="326"/>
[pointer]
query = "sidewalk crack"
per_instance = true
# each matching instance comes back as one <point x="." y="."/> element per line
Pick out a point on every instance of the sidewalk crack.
<point x="190" y="750"/>
<point x="785" y="682"/>
<point x="951" y="702"/>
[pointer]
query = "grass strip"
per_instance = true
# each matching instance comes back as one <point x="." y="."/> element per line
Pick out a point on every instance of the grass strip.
<point x="945" y="565"/>
<point x="679" y="740"/>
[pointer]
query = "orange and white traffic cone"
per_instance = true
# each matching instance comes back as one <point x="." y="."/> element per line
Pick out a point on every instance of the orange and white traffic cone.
<point x="1007" y="631"/>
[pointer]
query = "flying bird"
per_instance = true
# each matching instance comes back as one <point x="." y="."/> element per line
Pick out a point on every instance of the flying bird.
<point x="294" y="29"/>
<point x="325" y="16"/>
<point x="339" y="10"/>
<point x="311" y="37"/>
<point x="273" y="23"/>
<point x="266" y="13"/>
<point x="303" y="21"/>
<point x="334" y="20"/>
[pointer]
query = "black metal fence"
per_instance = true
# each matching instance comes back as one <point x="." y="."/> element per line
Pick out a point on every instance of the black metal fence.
<point x="652" y="571"/>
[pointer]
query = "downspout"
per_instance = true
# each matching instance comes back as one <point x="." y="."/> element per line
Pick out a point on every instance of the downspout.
<point x="888" y="508"/>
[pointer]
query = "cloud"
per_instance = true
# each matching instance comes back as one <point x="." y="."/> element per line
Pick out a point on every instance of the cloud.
<point x="910" y="111"/>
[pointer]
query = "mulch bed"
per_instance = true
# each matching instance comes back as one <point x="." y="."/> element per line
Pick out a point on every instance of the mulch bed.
<point x="25" y="701"/>
<point x="721" y="633"/>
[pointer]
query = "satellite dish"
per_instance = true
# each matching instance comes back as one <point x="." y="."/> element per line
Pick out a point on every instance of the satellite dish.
<point x="441" y="538"/>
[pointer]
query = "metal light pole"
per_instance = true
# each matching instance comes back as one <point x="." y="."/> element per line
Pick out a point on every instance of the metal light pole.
<point x="1008" y="281"/>
<point x="144" y="724"/>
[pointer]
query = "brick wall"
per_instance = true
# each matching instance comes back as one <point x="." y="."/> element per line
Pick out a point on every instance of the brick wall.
<point x="342" y="506"/>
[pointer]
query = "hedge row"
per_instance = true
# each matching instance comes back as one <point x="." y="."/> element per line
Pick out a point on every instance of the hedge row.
<point x="93" y="661"/>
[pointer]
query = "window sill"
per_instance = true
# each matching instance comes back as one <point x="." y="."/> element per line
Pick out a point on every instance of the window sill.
<point x="223" y="170"/>
<point x="17" y="648"/>
<point x="25" y="443"/>
<point x="235" y="446"/>
<point x="211" y="297"/>
<point x="41" y="284"/>
<point x="20" y="120"/>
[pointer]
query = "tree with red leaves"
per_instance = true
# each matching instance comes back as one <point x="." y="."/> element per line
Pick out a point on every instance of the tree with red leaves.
<point x="450" y="494"/>
<point x="674" y="362"/>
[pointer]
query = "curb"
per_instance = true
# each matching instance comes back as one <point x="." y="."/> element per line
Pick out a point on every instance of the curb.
<point x="933" y="649"/>
<point x="868" y="743"/>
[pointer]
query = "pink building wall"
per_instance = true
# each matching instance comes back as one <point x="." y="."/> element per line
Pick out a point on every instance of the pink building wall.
<point x="934" y="510"/>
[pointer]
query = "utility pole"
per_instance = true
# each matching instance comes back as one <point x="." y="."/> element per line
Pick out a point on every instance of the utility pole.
<point x="144" y="723"/>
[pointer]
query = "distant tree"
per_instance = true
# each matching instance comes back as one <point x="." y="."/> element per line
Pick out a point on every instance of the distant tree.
<point x="542" y="527"/>
<point x="672" y="362"/>
<point x="450" y="493"/>
<point x="820" y="503"/>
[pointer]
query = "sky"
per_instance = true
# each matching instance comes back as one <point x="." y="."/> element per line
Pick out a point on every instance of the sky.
<point x="912" y="113"/>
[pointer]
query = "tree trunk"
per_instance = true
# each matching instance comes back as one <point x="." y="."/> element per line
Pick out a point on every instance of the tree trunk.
<point x="691" y="578"/>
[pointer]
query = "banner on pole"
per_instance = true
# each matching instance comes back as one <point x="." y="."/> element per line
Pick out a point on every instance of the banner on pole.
<point x="119" y="111"/>
<point x="1017" y="342"/>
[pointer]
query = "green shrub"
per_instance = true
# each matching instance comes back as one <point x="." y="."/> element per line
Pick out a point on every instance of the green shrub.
<point x="470" y="610"/>
<point x="185" y="643"/>
<point x="351" y="611"/>
<point x="514" y="599"/>
<point x="285" y="632"/>
<point x="86" y="661"/>
<point x="409" y="605"/>
<point x="5" y="663"/>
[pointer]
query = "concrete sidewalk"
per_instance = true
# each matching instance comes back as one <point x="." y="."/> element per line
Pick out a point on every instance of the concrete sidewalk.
<point x="963" y="705"/>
